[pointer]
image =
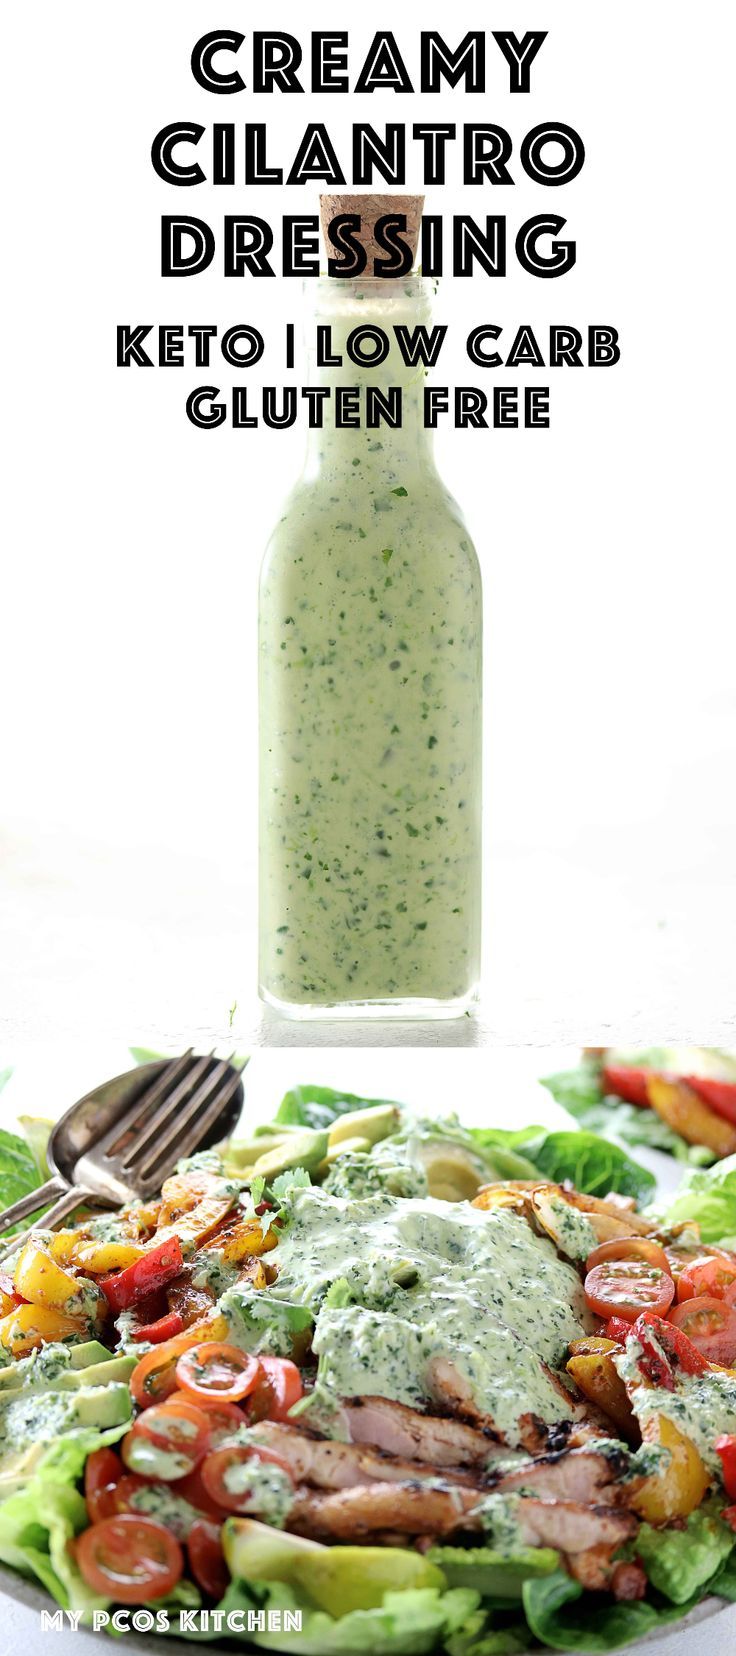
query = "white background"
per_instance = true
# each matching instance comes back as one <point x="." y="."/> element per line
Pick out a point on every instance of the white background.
<point x="127" y="668"/>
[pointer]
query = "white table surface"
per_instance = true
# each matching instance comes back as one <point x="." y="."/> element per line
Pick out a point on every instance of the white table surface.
<point x="147" y="944"/>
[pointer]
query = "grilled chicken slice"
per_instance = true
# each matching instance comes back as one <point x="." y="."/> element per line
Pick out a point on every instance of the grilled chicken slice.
<point x="579" y="1475"/>
<point x="360" y="1511"/>
<point x="418" y="1510"/>
<point x="331" y="1465"/>
<point x="398" y="1430"/>
<point x="572" y="1527"/>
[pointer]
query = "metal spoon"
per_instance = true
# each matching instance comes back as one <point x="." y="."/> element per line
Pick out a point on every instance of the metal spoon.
<point x="122" y="1140"/>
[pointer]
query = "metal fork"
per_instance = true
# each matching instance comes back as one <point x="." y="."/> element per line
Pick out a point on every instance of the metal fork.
<point x="121" y="1141"/>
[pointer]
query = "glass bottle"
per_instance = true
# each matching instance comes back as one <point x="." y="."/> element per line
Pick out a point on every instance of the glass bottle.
<point x="370" y="705"/>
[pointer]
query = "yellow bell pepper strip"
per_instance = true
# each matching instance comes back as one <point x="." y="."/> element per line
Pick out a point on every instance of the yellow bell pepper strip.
<point x="593" y="1371"/>
<point x="696" y="1122"/>
<point x="28" y="1326"/>
<point x="674" y="1491"/>
<point x="157" y="1267"/>
<point x="40" y="1280"/>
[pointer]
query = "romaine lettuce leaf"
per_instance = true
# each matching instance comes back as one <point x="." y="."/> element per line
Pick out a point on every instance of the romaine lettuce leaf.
<point x="561" y="1614"/>
<point x="19" y="1168"/>
<point x="679" y="1563"/>
<point x="409" y="1623"/>
<point x="708" y="1195"/>
<point x="593" y="1164"/>
<point x="37" y="1523"/>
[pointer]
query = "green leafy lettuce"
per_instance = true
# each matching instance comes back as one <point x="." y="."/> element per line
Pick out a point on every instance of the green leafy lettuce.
<point x="590" y="1162"/>
<point x="38" y="1522"/>
<point x="560" y="1613"/>
<point x="581" y="1092"/>
<point x="309" y="1106"/>
<point x="22" y="1160"/>
<point x="681" y="1562"/>
<point x="707" y="1195"/>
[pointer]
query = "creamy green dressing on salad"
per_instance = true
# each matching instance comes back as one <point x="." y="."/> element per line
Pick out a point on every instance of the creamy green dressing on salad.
<point x="270" y="1491"/>
<point x="413" y="1281"/>
<point x="576" y="1236"/>
<point x="702" y="1405"/>
<point x="370" y="695"/>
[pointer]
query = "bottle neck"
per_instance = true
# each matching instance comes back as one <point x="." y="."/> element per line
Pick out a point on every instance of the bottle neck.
<point x="372" y="415"/>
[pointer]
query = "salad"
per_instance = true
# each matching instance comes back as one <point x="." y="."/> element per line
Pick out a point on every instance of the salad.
<point x="678" y="1099"/>
<point x="409" y="1386"/>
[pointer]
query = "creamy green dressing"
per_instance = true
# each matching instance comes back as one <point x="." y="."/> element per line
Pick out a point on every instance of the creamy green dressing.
<point x="270" y="1491"/>
<point x="575" y="1234"/>
<point x="370" y="698"/>
<point x="419" y="1280"/>
<point x="702" y="1405"/>
<point x="499" y="1517"/>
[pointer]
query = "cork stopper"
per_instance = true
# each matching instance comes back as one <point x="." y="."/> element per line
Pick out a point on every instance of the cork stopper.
<point x="371" y="208"/>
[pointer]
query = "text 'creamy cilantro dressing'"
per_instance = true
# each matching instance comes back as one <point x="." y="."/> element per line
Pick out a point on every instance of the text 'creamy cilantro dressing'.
<point x="395" y="1285"/>
<point x="370" y="701"/>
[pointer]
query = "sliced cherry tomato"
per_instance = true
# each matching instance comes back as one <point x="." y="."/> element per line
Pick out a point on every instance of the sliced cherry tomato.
<point x="710" y="1325"/>
<point x="130" y="1559"/>
<point x="712" y="1276"/>
<point x="277" y="1391"/>
<point x="218" y="1371"/>
<point x="617" y="1328"/>
<point x="624" y="1082"/>
<point x="725" y="1447"/>
<point x="720" y="1095"/>
<point x="154" y="1268"/>
<point x="216" y="1466"/>
<point x="223" y="1419"/>
<point x="164" y="1328"/>
<point x="630" y="1247"/>
<point x="167" y="1441"/>
<point x="193" y="1491"/>
<point x="102" y="1474"/>
<point x="729" y="1516"/>
<point x="207" y="1559"/>
<point x="154" y="1377"/>
<point x="681" y="1256"/>
<point x="126" y="1490"/>
<point x="626" y="1287"/>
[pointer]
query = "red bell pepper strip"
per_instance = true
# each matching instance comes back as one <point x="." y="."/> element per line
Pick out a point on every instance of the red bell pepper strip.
<point x="672" y="1350"/>
<point x="617" y="1328"/>
<point x="626" y="1083"/>
<point x="7" y="1287"/>
<point x="164" y="1328"/>
<point x="725" y="1447"/>
<point x="151" y="1271"/>
<point x="720" y="1095"/>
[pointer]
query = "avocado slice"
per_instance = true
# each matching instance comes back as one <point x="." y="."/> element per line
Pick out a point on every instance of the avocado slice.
<point x="81" y="1356"/>
<point x="452" y="1174"/>
<point x="102" y="1406"/>
<point x="306" y="1149"/>
<point x="337" y="1579"/>
<point x="256" y="1552"/>
<point x="98" y="1374"/>
<point x="89" y="1352"/>
<point x="373" y="1124"/>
